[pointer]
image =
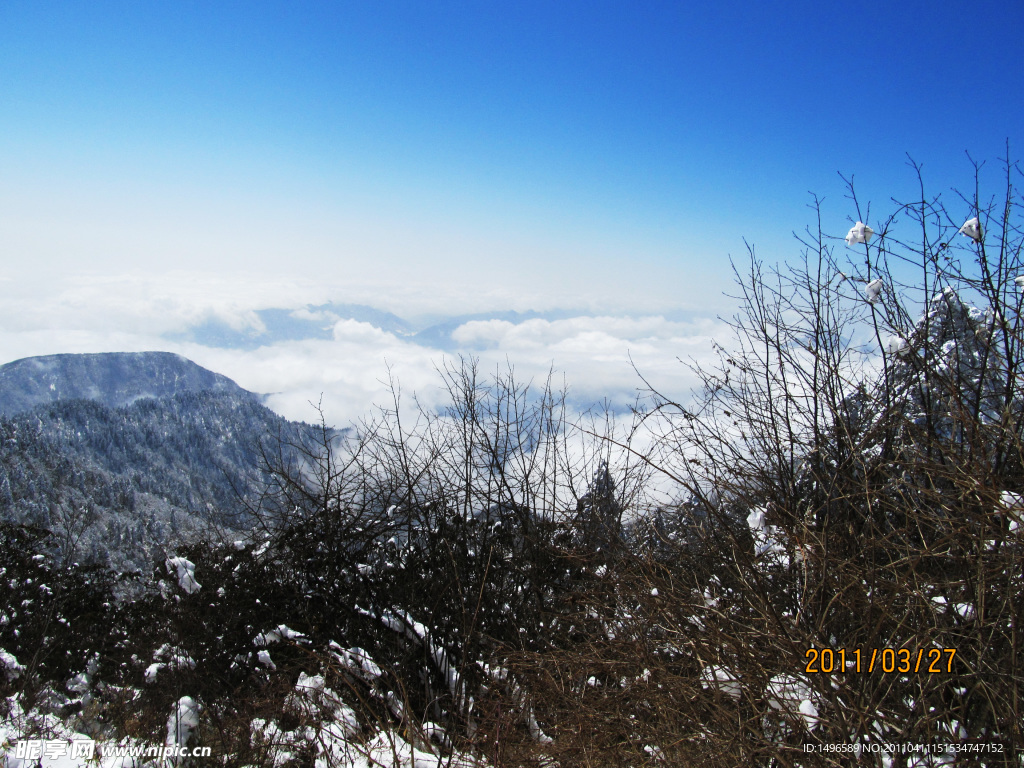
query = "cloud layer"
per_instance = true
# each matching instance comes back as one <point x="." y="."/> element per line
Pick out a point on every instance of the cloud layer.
<point x="349" y="368"/>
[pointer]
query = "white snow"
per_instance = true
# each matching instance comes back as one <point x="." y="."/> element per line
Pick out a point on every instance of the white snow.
<point x="965" y="611"/>
<point x="265" y="660"/>
<point x="186" y="573"/>
<point x="9" y="664"/>
<point x="358" y="661"/>
<point x="336" y="741"/>
<point x="48" y="730"/>
<point x="184" y="718"/>
<point x="402" y="623"/>
<point x="655" y="753"/>
<point x="152" y="671"/>
<point x="972" y="229"/>
<point x="534" y="727"/>
<point x="313" y="697"/>
<point x="1013" y="506"/>
<point x="168" y="657"/>
<point x="755" y="520"/>
<point x="767" y="538"/>
<point x="859" y="233"/>
<point x="873" y="289"/>
<point x="810" y="714"/>
<point x="276" y="635"/>
<point x="894" y="345"/>
<point x="79" y="683"/>
<point x="793" y="695"/>
<point x="721" y="679"/>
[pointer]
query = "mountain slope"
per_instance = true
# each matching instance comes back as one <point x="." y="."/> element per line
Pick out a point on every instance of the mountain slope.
<point x="121" y="483"/>
<point x="111" y="378"/>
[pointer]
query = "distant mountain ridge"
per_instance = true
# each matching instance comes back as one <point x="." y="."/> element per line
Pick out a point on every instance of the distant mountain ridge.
<point x="276" y="324"/>
<point x="114" y="379"/>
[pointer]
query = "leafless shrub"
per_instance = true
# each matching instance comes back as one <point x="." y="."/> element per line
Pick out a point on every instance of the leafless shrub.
<point x="845" y="564"/>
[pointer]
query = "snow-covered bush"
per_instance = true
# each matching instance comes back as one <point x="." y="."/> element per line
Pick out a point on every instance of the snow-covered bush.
<point x="852" y="466"/>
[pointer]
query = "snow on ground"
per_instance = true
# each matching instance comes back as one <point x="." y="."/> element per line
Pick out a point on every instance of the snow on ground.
<point x="31" y="739"/>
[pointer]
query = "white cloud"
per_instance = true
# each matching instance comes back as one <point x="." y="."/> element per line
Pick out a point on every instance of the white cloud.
<point x="347" y="374"/>
<point x="598" y="354"/>
<point x="547" y="332"/>
<point x="356" y="332"/>
<point x="350" y="369"/>
<point x="319" y="316"/>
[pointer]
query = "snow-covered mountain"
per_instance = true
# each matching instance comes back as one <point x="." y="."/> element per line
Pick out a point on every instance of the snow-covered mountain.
<point x="113" y="379"/>
<point x="124" y="456"/>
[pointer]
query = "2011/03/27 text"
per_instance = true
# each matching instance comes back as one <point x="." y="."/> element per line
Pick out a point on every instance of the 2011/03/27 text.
<point x="829" y="661"/>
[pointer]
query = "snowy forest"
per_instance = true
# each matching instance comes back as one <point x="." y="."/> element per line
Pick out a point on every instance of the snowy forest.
<point x="823" y="545"/>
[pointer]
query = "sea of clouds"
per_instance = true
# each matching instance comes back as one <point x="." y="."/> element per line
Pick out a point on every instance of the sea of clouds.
<point x="599" y="353"/>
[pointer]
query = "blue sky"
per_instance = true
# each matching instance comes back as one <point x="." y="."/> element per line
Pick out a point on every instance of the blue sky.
<point x="466" y="156"/>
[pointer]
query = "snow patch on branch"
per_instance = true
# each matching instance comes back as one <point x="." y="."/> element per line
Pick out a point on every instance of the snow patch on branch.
<point x="859" y="233"/>
<point x="186" y="573"/>
<point x="276" y="635"/>
<point x="972" y="229"/>
<point x="10" y="666"/>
